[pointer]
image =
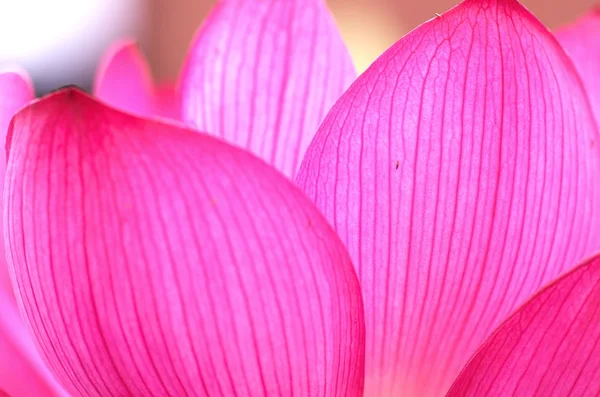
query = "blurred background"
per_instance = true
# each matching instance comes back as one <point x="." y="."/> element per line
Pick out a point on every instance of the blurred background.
<point x="60" y="41"/>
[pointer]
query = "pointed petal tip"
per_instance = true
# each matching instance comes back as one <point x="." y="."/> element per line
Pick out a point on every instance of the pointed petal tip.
<point x="68" y="92"/>
<point x="124" y="79"/>
<point x="59" y="98"/>
<point x="444" y="255"/>
<point x="267" y="86"/>
<point x="126" y="47"/>
<point x="123" y="43"/>
<point x="164" y="213"/>
<point x="63" y="95"/>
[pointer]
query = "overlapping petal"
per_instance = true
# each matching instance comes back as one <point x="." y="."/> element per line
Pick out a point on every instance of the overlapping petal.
<point x="22" y="372"/>
<point x="461" y="171"/>
<point x="580" y="40"/>
<point x="153" y="260"/>
<point x="263" y="74"/>
<point x="15" y="91"/>
<point x="549" y="347"/>
<point x="124" y="81"/>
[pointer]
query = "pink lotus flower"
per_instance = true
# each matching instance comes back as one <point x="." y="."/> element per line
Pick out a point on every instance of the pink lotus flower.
<point x="458" y="175"/>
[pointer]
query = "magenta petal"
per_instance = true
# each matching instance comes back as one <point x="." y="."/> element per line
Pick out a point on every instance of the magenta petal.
<point x="153" y="260"/>
<point x="124" y="81"/>
<point x="461" y="170"/>
<point x="263" y="74"/>
<point x="16" y="90"/>
<point x="167" y="101"/>
<point x="581" y="41"/>
<point x="22" y="372"/>
<point x="549" y="347"/>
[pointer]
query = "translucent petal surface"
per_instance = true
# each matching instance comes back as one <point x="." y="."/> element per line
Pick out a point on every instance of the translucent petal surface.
<point x="581" y="41"/>
<point x="153" y="260"/>
<point x="263" y="74"/>
<point x="124" y="81"/>
<point x="549" y="347"/>
<point x="22" y="372"/>
<point x="167" y="97"/>
<point x="461" y="170"/>
<point x="15" y="91"/>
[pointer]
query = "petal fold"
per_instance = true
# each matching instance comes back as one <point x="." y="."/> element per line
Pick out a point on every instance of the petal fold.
<point x="263" y="74"/>
<point x="16" y="90"/>
<point x="580" y="40"/>
<point x="461" y="171"/>
<point x="549" y="347"/>
<point x="154" y="260"/>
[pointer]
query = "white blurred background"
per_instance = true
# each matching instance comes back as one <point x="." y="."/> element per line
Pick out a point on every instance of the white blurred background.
<point x="60" y="41"/>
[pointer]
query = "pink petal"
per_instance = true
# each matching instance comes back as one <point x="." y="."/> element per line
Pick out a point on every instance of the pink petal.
<point x="167" y="101"/>
<point x="549" y="347"/>
<point x="124" y="81"/>
<point x="15" y="91"/>
<point x="461" y="170"/>
<point x="580" y="40"/>
<point x="154" y="260"/>
<point x="22" y="372"/>
<point x="263" y="74"/>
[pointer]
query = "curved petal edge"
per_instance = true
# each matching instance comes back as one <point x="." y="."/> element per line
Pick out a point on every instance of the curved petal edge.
<point x="155" y="260"/>
<point x="461" y="171"/>
<point x="263" y="74"/>
<point x="124" y="81"/>
<point x="550" y="346"/>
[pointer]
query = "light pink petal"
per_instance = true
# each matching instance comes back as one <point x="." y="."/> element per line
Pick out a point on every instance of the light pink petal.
<point x="461" y="170"/>
<point x="124" y="81"/>
<point x="153" y="260"/>
<point x="549" y="347"/>
<point x="581" y="41"/>
<point x="15" y="91"/>
<point x="263" y="74"/>
<point x="22" y="372"/>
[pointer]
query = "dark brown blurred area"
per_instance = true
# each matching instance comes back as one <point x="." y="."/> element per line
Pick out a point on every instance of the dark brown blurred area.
<point x="368" y="26"/>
